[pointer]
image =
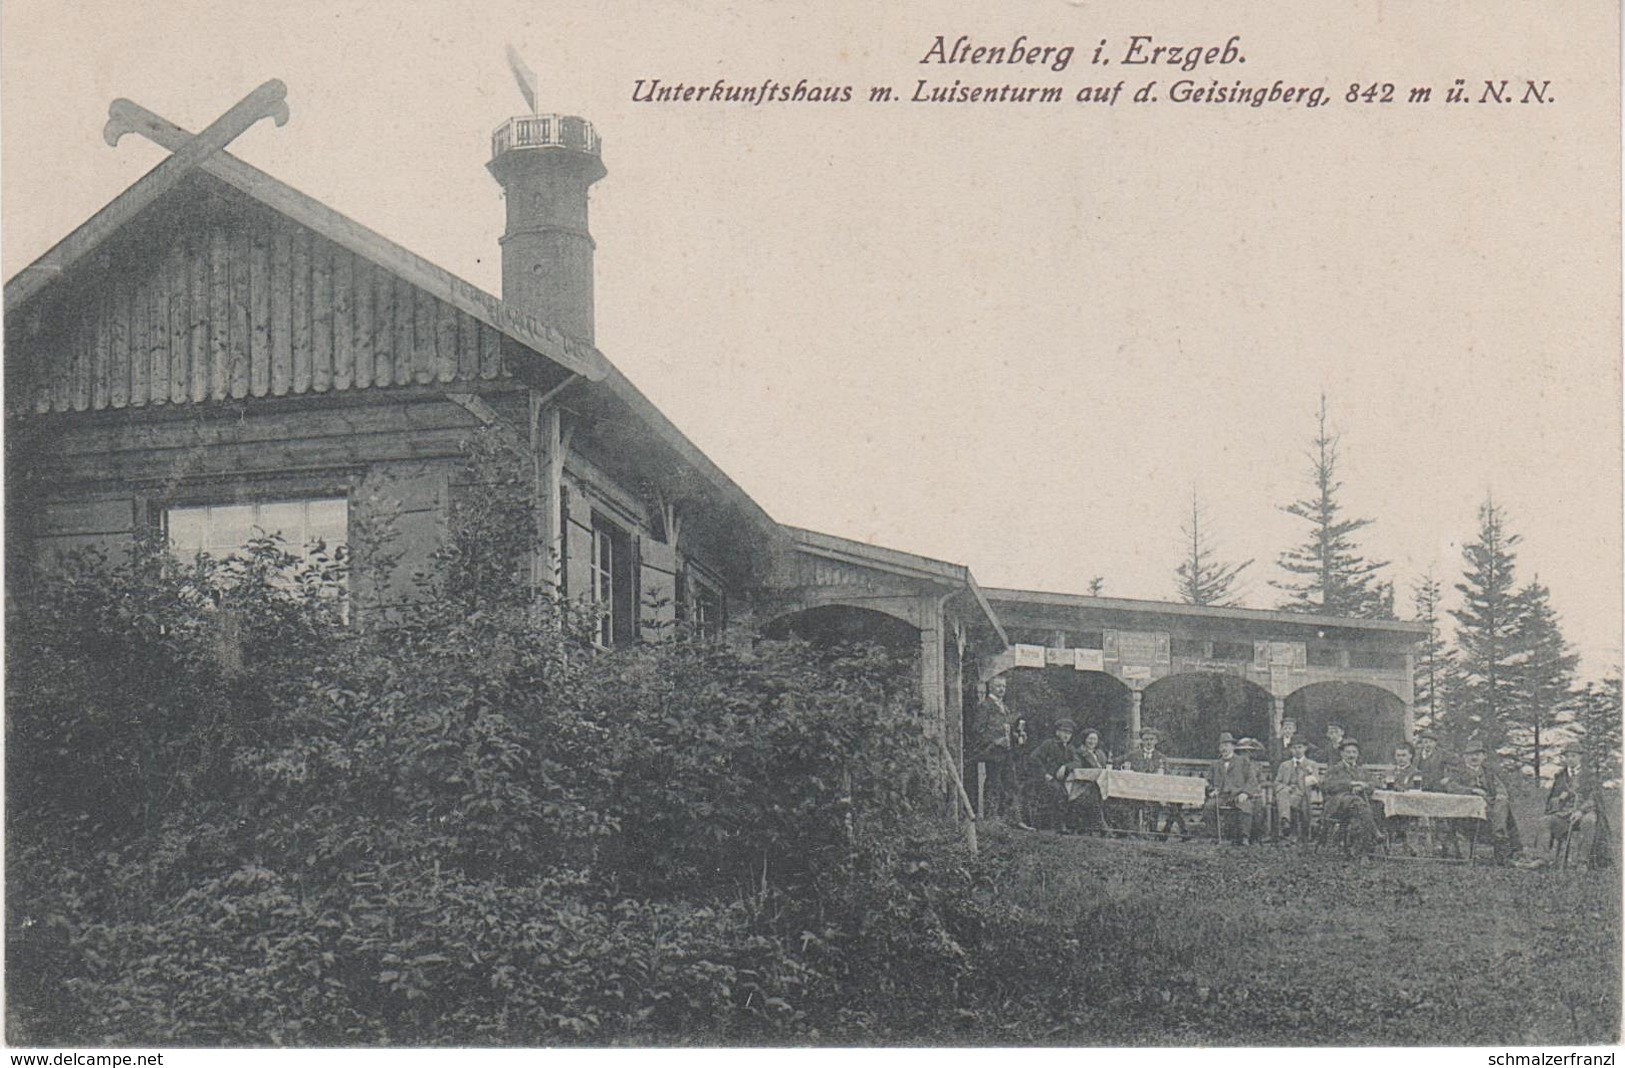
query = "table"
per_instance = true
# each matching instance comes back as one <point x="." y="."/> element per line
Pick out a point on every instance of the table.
<point x="1138" y="786"/>
<point x="1436" y="806"/>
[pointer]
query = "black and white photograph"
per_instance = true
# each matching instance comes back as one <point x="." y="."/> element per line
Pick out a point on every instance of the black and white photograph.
<point x="1049" y="526"/>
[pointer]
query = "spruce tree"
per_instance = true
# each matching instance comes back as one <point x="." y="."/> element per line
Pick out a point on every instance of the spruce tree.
<point x="1333" y="578"/>
<point x="1487" y="628"/>
<point x="1435" y="664"/>
<point x="1202" y="579"/>
<point x="1543" y="675"/>
<point x="1597" y="721"/>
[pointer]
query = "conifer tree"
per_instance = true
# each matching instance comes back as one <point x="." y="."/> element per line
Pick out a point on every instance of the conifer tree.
<point x="1332" y="577"/>
<point x="1435" y="664"/>
<point x="1097" y="586"/>
<point x="1200" y="578"/>
<point x="1487" y="627"/>
<point x="1543" y="676"/>
<point x="1597" y="721"/>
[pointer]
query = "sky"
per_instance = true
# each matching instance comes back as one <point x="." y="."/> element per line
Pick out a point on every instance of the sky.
<point x="1017" y="337"/>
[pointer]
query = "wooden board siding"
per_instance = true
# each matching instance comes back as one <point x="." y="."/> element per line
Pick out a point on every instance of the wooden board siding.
<point x="246" y="308"/>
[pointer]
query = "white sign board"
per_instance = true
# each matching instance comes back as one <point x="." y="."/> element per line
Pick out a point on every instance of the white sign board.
<point x="1029" y="655"/>
<point x="1089" y="659"/>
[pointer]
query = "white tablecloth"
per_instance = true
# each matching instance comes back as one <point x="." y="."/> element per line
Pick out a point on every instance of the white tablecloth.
<point x="1139" y="786"/>
<point x="1438" y="806"/>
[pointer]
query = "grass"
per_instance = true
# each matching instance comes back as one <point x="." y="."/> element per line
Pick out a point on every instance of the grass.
<point x="1279" y="945"/>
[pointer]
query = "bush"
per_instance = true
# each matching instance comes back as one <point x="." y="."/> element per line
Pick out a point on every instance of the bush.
<point x="234" y="818"/>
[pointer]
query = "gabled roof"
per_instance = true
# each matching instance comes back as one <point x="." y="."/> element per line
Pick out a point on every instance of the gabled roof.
<point x="570" y="353"/>
<point x="897" y="562"/>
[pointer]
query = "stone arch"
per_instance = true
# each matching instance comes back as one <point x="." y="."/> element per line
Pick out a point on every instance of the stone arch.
<point x="1190" y="709"/>
<point x="1089" y="698"/>
<point x="1371" y="714"/>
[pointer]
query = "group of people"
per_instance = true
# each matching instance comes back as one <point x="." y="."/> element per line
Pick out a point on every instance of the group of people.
<point x="1027" y="786"/>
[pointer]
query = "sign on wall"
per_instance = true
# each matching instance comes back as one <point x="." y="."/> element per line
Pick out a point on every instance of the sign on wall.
<point x="1139" y="646"/>
<point x="1279" y="654"/>
<point x="1089" y="659"/>
<point x="1029" y="655"/>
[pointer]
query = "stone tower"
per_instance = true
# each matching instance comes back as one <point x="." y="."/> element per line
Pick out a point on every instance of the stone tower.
<point x="546" y="165"/>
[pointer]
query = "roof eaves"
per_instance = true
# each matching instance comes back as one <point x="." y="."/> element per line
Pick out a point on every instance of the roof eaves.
<point x="1263" y="615"/>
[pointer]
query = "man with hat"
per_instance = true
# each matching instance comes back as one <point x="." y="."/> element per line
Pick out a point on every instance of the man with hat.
<point x="1479" y="779"/>
<point x="1150" y="761"/>
<point x="1571" y="811"/>
<point x="1403" y="776"/>
<point x="1333" y="750"/>
<point x="1294" y="778"/>
<point x="1001" y="745"/>
<point x="1049" y="765"/>
<point x="1431" y="762"/>
<point x="1232" y="785"/>
<point x="1348" y="798"/>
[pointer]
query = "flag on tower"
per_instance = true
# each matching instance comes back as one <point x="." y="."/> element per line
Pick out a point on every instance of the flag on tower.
<point x="524" y="76"/>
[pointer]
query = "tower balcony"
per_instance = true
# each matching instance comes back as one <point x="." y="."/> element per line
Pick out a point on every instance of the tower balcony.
<point x="545" y="131"/>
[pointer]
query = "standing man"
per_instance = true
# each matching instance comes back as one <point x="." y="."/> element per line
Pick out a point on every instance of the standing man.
<point x="1232" y="784"/>
<point x="1002" y="742"/>
<point x="1334" y="743"/>
<point x="1348" y="798"/>
<point x="1293" y="780"/>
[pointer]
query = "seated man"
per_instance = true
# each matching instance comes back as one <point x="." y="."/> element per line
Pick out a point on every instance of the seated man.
<point x="1253" y="750"/>
<point x="1149" y="760"/>
<point x="1293" y="781"/>
<point x="1571" y="812"/>
<point x="1431" y="762"/>
<point x="1404" y="776"/>
<point x="1478" y="778"/>
<point x="1348" y="799"/>
<point x="1435" y="766"/>
<point x="1048" y="767"/>
<point x="1232" y="785"/>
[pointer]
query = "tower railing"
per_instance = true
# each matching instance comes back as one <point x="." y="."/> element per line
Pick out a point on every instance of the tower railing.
<point x="545" y="131"/>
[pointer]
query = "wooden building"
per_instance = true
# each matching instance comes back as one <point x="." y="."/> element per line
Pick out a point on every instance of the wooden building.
<point x="234" y="354"/>
<point x="228" y="353"/>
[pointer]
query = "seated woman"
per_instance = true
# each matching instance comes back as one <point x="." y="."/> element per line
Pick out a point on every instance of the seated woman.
<point x="1091" y="809"/>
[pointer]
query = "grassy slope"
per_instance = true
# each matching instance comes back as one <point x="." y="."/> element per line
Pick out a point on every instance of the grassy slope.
<point x="1281" y="946"/>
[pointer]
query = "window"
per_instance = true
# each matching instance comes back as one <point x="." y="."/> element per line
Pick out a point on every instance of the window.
<point x="612" y="582"/>
<point x="708" y="612"/>
<point x="306" y="527"/>
<point x="224" y="529"/>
